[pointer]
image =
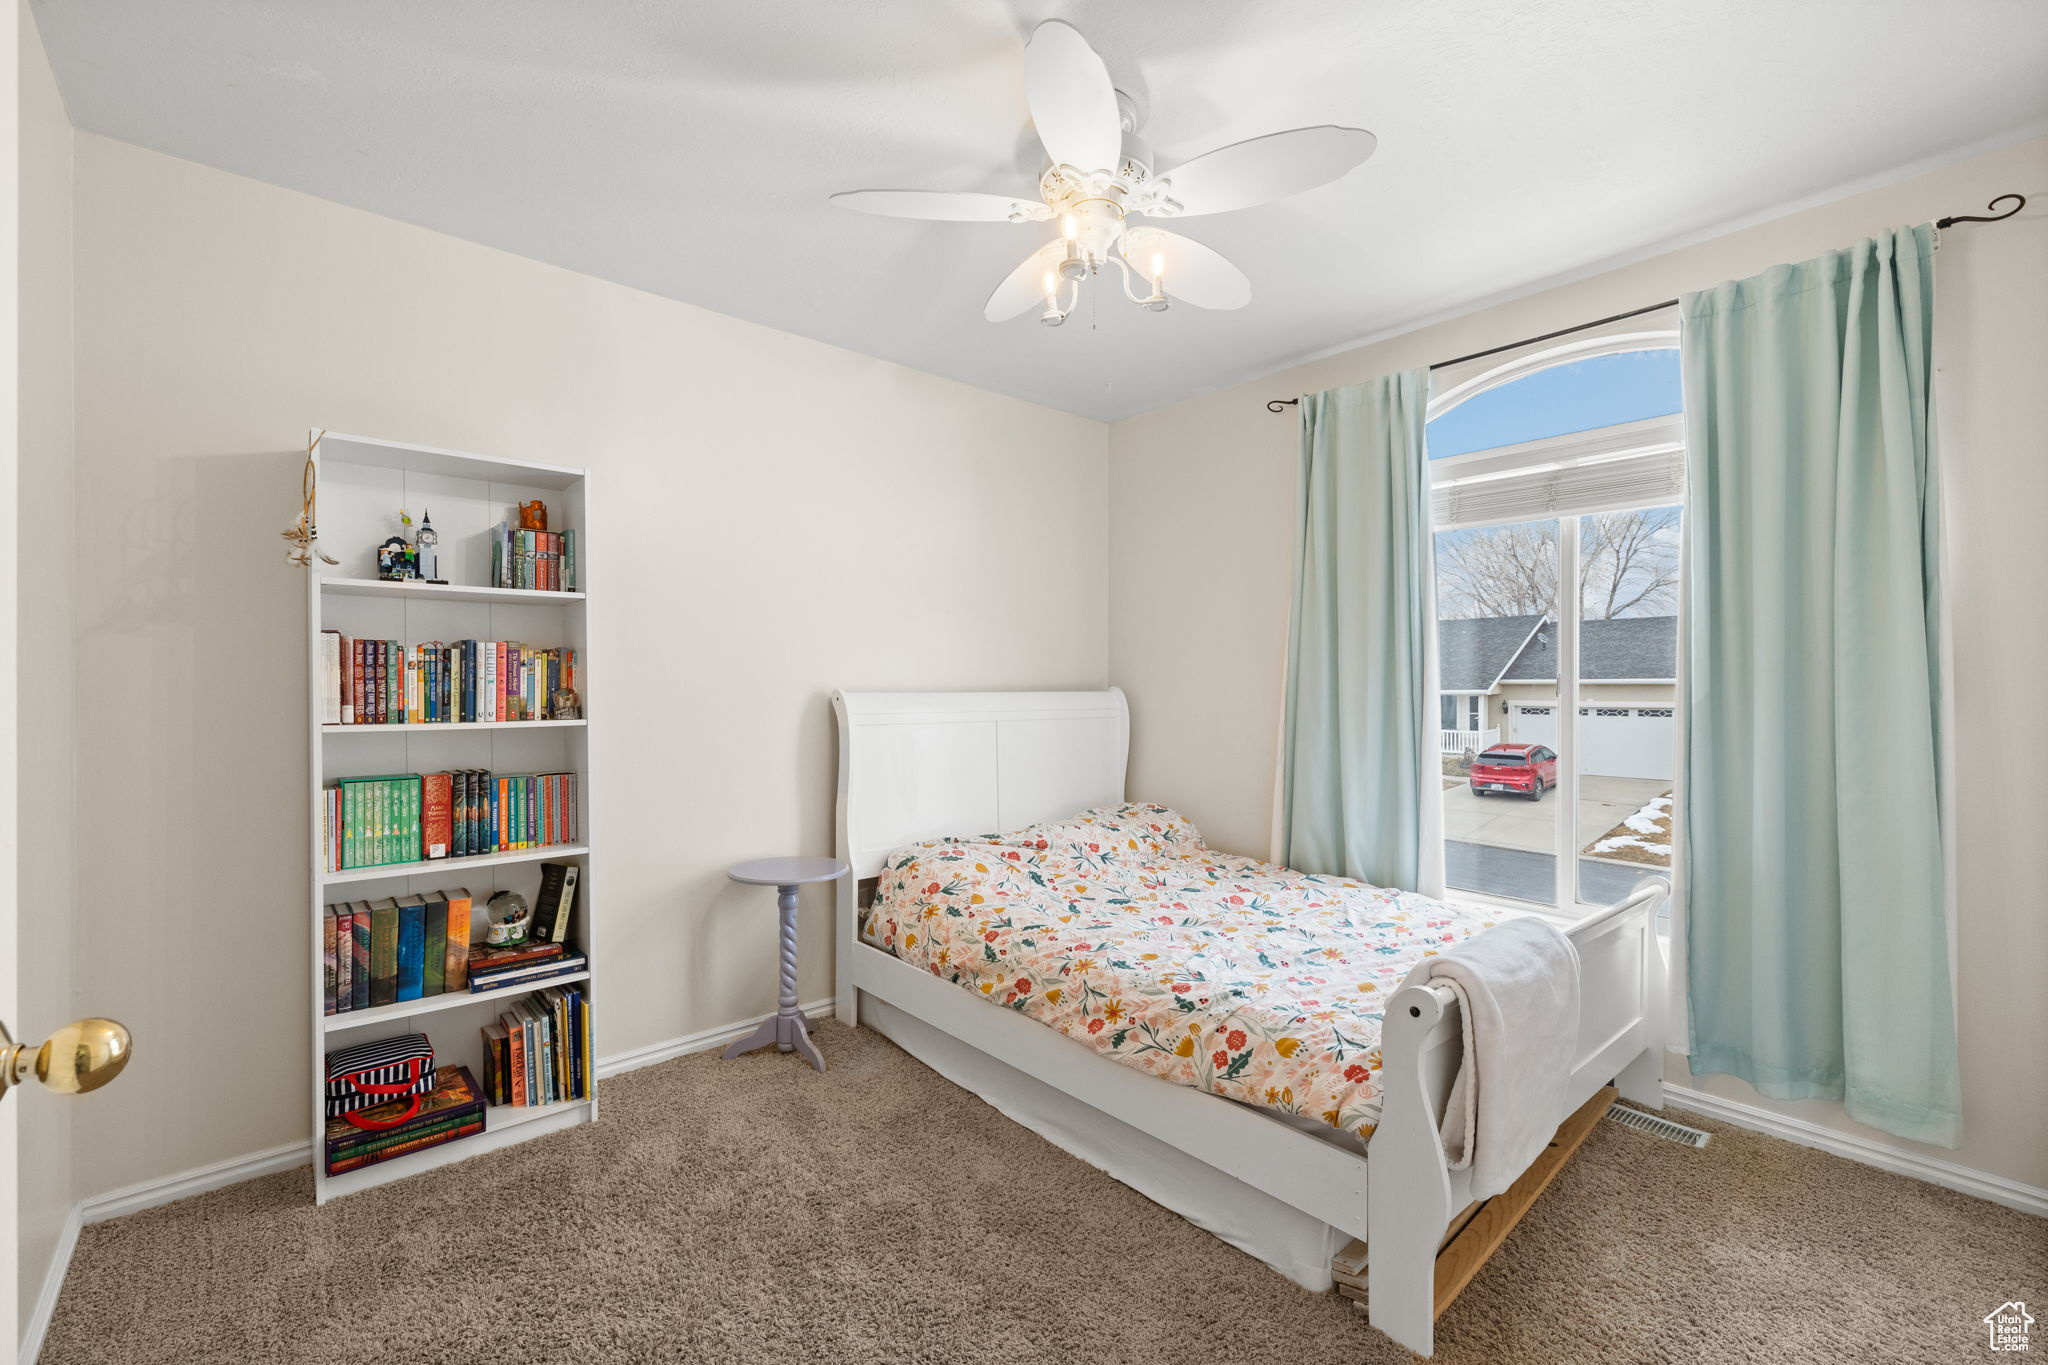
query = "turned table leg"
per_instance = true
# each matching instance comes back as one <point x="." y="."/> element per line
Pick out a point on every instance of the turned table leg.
<point x="787" y="1028"/>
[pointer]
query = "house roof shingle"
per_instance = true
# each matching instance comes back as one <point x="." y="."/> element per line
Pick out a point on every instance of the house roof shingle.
<point x="1472" y="654"/>
<point x="1635" y="648"/>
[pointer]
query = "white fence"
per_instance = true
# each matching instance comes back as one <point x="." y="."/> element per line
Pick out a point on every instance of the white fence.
<point x="1466" y="741"/>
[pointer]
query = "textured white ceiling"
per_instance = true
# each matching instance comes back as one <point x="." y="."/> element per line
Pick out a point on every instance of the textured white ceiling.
<point x="687" y="148"/>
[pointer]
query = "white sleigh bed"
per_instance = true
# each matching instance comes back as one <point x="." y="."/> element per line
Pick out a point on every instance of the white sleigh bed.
<point x="916" y="766"/>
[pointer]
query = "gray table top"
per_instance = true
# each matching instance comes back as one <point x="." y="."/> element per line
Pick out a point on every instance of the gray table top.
<point x="787" y="871"/>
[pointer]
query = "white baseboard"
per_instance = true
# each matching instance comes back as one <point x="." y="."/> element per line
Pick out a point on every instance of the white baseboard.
<point x="45" y="1307"/>
<point x="150" y="1193"/>
<point x="694" y="1042"/>
<point x="1947" y="1174"/>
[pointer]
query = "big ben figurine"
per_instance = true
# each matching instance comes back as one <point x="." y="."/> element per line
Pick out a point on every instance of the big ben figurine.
<point x="426" y="550"/>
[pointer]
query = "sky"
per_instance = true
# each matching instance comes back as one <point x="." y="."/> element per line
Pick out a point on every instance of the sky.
<point x="1576" y="397"/>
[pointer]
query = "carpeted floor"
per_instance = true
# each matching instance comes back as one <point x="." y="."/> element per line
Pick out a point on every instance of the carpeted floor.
<point x="751" y="1211"/>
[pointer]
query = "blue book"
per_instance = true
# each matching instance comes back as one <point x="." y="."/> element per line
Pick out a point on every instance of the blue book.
<point x="412" y="948"/>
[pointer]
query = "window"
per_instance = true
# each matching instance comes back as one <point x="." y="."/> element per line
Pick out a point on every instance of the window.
<point x="1557" y="492"/>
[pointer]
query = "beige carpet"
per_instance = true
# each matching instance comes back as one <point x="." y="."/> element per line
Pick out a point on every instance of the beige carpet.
<point x="751" y="1211"/>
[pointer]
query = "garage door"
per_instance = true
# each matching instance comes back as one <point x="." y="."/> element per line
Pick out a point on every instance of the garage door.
<point x="1614" y="741"/>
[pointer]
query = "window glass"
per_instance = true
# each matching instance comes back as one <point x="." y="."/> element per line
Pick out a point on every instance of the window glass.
<point x="1627" y="734"/>
<point x="1579" y="396"/>
<point x="1495" y="588"/>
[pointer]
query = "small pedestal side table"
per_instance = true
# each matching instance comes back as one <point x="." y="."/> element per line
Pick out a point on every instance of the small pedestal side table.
<point x="786" y="1028"/>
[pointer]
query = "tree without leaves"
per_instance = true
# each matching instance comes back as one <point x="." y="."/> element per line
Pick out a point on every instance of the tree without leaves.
<point x="1628" y="567"/>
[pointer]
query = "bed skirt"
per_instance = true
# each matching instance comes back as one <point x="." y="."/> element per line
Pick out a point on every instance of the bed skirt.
<point x="1288" y="1240"/>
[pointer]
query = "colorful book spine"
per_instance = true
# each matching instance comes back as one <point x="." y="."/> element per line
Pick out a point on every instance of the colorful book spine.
<point x="455" y="971"/>
<point x="327" y="965"/>
<point x="438" y="794"/>
<point x="515" y="1056"/>
<point x="434" y="963"/>
<point x="406" y="1146"/>
<point x="523" y="978"/>
<point x="359" y="966"/>
<point x="412" y="948"/>
<point x="384" y="952"/>
<point x="344" y="958"/>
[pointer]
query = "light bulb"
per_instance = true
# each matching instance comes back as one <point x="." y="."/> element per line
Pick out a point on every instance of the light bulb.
<point x="1069" y="228"/>
<point x="1158" y="267"/>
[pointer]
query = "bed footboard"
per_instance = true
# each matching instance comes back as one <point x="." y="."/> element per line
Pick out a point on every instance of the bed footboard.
<point x="1414" y="1192"/>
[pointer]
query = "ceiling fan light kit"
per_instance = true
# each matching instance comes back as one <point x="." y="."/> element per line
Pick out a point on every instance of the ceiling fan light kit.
<point x="1100" y="172"/>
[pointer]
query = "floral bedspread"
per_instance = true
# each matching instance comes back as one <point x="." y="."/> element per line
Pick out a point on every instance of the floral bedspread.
<point x="1124" y="931"/>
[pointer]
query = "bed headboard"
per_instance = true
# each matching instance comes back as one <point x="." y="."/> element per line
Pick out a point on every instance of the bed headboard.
<point x="921" y="765"/>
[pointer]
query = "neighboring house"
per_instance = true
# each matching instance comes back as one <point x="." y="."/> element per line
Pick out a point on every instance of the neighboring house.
<point x="1498" y="677"/>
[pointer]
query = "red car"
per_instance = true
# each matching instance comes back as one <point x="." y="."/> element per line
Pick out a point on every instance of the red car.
<point x="1525" y="769"/>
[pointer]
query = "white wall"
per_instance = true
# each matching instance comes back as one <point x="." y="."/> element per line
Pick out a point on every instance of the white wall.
<point x="42" y="516"/>
<point x="780" y="518"/>
<point x="1201" y="495"/>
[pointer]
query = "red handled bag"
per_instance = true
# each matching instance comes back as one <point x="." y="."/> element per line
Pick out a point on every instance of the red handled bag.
<point x="378" y="1073"/>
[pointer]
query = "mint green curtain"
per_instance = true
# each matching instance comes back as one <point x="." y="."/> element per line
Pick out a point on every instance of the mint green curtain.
<point x="1360" y="684"/>
<point x="1816" y="923"/>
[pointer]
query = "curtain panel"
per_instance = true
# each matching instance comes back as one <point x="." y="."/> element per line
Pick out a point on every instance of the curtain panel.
<point x="1816" y="923"/>
<point x="1359" y="769"/>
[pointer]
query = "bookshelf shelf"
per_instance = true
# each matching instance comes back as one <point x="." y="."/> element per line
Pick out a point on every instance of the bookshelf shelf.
<point x="445" y="592"/>
<point x="363" y="482"/>
<point x="408" y="1009"/>
<point x="502" y="1116"/>
<point x="447" y="868"/>
<point x="448" y="727"/>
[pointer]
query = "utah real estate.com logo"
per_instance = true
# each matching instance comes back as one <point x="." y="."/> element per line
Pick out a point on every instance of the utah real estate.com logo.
<point x="2007" y="1324"/>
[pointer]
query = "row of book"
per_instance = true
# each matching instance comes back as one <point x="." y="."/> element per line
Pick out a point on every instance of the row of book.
<point x="396" y="949"/>
<point x="415" y="817"/>
<point x="539" y="1050"/>
<point x="544" y="561"/>
<point x="386" y="682"/>
<point x="453" y="1109"/>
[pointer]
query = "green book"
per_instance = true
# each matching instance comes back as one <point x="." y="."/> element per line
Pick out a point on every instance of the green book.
<point x="436" y="965"/>
<point x="416" y="827"/>
<point x="384" y="951"/>
<point x="348" y="824"/>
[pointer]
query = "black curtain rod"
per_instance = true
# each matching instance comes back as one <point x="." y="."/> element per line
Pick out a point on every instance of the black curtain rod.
<point x="2020" y="202"/>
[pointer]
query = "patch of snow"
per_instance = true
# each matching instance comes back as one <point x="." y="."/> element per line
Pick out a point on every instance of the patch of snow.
<point x="1650" y="819"/>
<point x="1630" y="841"/>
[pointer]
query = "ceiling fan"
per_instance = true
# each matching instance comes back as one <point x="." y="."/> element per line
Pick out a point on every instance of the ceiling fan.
<point x="1101" y="173"/>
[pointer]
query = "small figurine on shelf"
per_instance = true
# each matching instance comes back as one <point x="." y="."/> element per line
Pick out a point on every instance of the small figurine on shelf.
<point x="510" y="919"/>
<point x="533" y="516"/>
<point x="426" y="552"/>
<point x="568" y="706"/>
<point x="396" y="560"/>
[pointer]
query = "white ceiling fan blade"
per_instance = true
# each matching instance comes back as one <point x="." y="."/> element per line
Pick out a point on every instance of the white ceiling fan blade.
<point x="945" y="206"/>
<point x="1262" y="169"/>
<point x="1189" y="271"/>
<point x="1072" y="101"/>
<point x="1024" y="287"/>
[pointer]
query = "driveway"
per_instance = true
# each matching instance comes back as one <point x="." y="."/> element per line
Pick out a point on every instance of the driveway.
<point x="1513" y="822"/>
<point x="1524" y="876"/>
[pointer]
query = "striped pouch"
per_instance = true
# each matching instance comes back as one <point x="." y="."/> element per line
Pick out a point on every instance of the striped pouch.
<point x="377" y="1073"/>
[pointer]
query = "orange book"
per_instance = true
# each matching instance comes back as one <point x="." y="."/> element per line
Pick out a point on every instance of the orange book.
<point x="515" y="1033"/>
<point x="455" y="973"/>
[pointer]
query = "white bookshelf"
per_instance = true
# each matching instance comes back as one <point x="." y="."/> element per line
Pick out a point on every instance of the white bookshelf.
<point x="362" y="484"/>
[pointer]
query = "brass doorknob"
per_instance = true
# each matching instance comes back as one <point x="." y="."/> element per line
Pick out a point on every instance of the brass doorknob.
<point x="83" y="1055"/>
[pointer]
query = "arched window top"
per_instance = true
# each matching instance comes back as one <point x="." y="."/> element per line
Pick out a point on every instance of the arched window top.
<point x="1556" y="393"/>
